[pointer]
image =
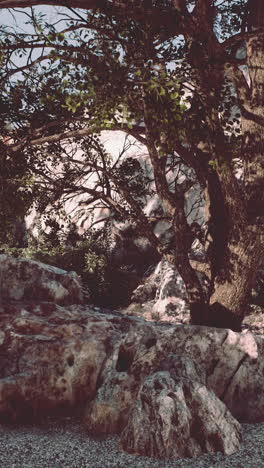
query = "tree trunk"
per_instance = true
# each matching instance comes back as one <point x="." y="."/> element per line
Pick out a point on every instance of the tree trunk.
<point x="243" y="253"/>
<point x="229" y="301"/>
<point x="183" y="242"/>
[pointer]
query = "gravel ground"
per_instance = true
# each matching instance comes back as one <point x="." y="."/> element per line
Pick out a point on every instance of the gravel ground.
<point x="63" y="443"/>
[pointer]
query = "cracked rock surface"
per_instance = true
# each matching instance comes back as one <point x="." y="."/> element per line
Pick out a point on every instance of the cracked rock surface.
<point x="152" y="383"/>
<point x="54" y="358"/>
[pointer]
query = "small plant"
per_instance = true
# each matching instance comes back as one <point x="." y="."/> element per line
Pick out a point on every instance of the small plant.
<point x="90" y="258"/>
<point x="155" y="316"/>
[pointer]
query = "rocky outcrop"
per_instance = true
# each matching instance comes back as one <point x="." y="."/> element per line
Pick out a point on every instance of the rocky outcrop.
<point x="171" y="298"/>
<point x="161" y="296"/>
<point x="27" y="279"/>
<point x="174" y="418"/>
<point x="169" y="390"/>
<point x="51" y="357"/>
<point x="254" y="320"/>
<point x="108" y="412"/>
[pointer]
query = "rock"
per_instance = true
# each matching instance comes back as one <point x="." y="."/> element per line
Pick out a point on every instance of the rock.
<point x="171" y="300"/>
<point x="254" y="320"/>
<point x="180" y="366"/>
<point x="108" y="412"/>
<point x="54" y="358"/>
<point x="161" y="296"/>
<point x="51" y="358"/>
<point x="22" y="279"/>
<point x="179" y="418"/>
<point x="146" y="291"/>
<point x="232" y="363"/>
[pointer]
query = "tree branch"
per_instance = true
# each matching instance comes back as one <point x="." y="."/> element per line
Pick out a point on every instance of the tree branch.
<point x="84" y="4"/>
<point x="53" y="138"/>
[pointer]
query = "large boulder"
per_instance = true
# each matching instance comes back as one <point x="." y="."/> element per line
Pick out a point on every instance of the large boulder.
<point x="232" y="362"/>
<point x="108" y="412"/>
<point x="51" y="357"/>
<point x="129" y="376"/>
<point x="55" y="354"/>
<point x="23" y="279"/>
<point x="161" y="296"/>
<point x="55" y="358"/>
<point x="179" y="418"/>
<point x="171" y="299"/>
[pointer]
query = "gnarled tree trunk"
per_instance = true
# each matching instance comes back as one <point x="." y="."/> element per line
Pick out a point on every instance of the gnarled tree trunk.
<point x="243" y="251"/>
<point x="233" y="283"/>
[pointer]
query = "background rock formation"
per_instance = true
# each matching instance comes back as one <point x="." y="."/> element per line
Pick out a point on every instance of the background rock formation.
<point x="26" y="279"/>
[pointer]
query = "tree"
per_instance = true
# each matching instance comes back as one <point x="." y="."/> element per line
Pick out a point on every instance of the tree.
<point x="15" y="196"/>
<point x="16" y="186"/>
<point x="173" y="71"/>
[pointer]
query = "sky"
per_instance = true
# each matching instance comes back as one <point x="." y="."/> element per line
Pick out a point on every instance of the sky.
<point x="113" y="141"/>
<point x="16" y="19"/>
<point x="6" y="18"/>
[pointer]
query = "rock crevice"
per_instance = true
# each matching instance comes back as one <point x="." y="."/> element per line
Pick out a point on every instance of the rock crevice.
<point x="169" y="391"/>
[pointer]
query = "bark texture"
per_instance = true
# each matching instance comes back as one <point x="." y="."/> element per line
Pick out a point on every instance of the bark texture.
<point x="242" y="250"/>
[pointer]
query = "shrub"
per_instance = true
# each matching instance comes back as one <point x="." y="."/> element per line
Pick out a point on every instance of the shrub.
<point x="108" y="285"/>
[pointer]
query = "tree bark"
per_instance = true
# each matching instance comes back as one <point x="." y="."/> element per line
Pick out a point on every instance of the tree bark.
<point x="243" y="253"/>
<point x="228" y="303"/>
<point x="183" y="242"/>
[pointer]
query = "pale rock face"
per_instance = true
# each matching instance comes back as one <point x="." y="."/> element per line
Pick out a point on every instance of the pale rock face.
<point x="55" y="357"/>
<point x="171" y="300"/>
<point x="179" y="418"/>
<point x="22" y="279"/>
<point x="231" y="361"/>
<point x="162" y="296"/>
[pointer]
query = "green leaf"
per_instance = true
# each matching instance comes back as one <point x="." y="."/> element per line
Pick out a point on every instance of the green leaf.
<point x="174" y="95"/>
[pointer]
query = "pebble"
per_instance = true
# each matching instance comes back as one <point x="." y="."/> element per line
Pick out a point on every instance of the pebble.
<point x="64" y="443"/>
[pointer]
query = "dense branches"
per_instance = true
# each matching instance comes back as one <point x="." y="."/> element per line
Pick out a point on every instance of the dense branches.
<point x="169" y="74"/>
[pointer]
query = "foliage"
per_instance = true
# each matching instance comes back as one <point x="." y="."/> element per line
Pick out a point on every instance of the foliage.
<point x="108" y="285"/>
<point x="16" y="189"/>
<point x="169" y="75"/>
